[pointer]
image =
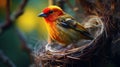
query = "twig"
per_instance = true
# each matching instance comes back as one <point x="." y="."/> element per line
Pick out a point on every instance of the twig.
<point x="6" y="60"/>
<point x="73" y="57"/>
<point x="23" y="41"/>
<point x="6" y="24"/>
<point x="8" y="11"/>
<point x="20" y="9"/>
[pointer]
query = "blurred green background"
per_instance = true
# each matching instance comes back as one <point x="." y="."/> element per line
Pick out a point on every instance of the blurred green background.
<point x="32" y="27"/>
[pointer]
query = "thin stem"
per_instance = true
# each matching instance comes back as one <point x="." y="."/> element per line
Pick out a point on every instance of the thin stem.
<point x="6" y="60"/>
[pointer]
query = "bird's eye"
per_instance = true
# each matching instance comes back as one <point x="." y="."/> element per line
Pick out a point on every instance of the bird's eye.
<point x="51" y="11"/>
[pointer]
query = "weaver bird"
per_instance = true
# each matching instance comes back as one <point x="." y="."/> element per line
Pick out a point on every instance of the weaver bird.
<point x="63" y="29"/>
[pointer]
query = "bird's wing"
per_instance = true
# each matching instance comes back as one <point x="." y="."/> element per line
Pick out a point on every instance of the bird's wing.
<point x="67" y="21"/>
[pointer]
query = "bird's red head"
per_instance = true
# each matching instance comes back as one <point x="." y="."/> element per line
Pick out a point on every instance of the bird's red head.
<point x="51" y="13"/>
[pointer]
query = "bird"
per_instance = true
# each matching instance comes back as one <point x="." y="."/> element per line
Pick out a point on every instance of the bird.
<point x="63" y="29"/>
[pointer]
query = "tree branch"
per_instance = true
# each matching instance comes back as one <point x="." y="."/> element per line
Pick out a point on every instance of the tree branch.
<point x="6" y="60"/>
<point x="23" y="41"/>
<point x="8" y="11"/>
<point x="8" y="20"/>
<point x="20" y="9"/>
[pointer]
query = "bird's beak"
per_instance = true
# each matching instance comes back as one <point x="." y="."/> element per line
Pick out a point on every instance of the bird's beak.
<point x="42" y="15"/>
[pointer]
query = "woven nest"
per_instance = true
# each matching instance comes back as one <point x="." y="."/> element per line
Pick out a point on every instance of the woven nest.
<point x="82" y="53"/>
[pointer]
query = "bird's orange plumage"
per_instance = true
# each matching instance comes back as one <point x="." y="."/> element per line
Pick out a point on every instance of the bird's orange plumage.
<point x="57" y="34"/>
<point x="54" y="32"/>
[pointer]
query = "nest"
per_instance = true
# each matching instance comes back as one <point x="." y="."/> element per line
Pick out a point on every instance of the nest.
<point x="75" y="55"/>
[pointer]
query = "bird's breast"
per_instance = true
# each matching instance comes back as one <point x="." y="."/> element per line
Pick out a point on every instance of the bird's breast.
<point x="62" y="35"/>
